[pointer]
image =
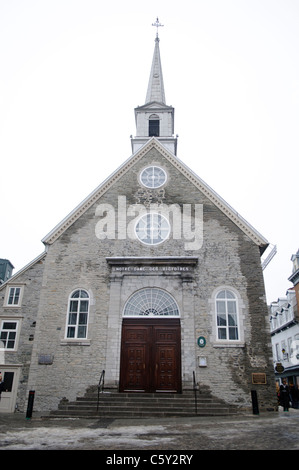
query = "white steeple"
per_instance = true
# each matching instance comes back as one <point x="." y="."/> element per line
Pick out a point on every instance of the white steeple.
<point x="155" y="118"/>
<point x="155" y="90"/>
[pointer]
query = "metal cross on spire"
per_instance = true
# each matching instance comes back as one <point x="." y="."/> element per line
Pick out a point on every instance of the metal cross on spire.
<point x="157" y="24"/>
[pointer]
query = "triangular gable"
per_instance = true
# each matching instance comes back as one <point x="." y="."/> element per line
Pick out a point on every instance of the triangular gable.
<point x="253" y="234"/>
<point x="154" y="105"/>
<point x="14" y="278"/>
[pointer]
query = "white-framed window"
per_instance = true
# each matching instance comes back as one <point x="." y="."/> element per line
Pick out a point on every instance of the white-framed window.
<point x="227" y="316"/>
<point x="9" y="334"/>
<point x="153" y="177"/>
<point x="151" y="302"/>
<point x="152" y="228"/>
<point x="13" y="296"/>
<point x="227" y="311"/>
<point x="77" y="315"/>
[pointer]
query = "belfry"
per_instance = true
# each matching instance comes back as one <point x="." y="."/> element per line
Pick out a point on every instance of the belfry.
<point x="155" y="118"/>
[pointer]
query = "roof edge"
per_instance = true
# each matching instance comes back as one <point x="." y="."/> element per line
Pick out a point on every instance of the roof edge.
<point x="219" y="202"/>
<point x="24" y="269"/>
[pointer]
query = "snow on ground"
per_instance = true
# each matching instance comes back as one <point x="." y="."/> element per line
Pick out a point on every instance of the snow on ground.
<point x="55" y="438"/>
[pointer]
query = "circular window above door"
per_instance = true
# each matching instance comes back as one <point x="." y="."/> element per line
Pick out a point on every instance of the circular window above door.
<point x="152" y="228"/>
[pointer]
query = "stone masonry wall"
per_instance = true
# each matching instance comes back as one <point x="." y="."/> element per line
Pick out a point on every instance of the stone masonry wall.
<point x="77" y="259"/>
<point x="26" y="313"/>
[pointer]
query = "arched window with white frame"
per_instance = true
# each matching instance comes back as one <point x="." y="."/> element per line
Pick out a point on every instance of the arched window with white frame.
<point x="227" y="323"/>
<point x="77" y="316"/>
<point x="151" y="302"/>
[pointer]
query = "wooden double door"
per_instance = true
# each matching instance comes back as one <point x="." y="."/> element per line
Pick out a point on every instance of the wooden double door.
<point x="150" y="355"/>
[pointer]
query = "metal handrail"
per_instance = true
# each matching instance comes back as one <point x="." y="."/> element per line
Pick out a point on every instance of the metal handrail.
<point x="101" y="386"/>
<point x="195" y="392"/>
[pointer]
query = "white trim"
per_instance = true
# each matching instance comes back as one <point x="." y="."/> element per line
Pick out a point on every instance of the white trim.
<point x="152" y="215"/>
<point x="152" y="167"/>
<point x="76" y="339"/>
<point x="240" y="319"/>
<point x="151" y="315"/>
<point x="7" y="295"/>
<point x="11" y="319"/>
<point x="8" y="401"/>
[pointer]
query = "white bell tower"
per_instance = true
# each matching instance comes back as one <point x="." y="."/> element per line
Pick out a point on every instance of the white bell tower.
<point x="155" y="118"/>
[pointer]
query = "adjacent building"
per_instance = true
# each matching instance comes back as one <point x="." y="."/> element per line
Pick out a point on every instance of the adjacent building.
<point x="6" y="270"/>
<point x="284" y="321"/>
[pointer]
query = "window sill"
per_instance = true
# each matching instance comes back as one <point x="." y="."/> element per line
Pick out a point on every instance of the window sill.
<point x="9" y="306"/>
<point x="230" y="344"/>
<point x="75" y="342"/>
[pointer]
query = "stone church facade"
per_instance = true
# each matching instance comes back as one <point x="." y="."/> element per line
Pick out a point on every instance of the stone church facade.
<point x="151" y="278"/>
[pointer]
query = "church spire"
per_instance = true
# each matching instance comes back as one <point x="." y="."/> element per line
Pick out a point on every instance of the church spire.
<point x="155" y="118"/>
<point x="155" y="90"/>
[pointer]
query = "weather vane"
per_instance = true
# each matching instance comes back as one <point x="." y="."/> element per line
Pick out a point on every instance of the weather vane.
<point x="157" y="24"/>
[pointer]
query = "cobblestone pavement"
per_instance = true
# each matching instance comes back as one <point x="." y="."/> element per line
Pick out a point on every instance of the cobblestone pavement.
<point x="269" y="431"/>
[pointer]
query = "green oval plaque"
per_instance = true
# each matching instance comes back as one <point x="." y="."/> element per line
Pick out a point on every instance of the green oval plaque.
<point x="201" y="342"/>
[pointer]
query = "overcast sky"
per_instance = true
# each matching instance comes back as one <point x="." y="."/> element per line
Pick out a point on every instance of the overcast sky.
<point x="72" y="72"/>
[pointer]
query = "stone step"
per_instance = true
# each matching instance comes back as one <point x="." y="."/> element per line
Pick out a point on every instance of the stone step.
<point x="116" y="414"/>
<point x="145" y="402"/>
<point x="138" y="406"/>
<point x="142" y="399"/>
<point x="141" y="405"/>
<point x="125" y="411"/>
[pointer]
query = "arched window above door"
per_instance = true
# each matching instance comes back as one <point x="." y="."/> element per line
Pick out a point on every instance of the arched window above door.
<point x="151" y="302"/>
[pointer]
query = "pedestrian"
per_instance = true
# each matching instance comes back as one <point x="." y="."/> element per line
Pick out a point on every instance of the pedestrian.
<point x="284" y="395"/>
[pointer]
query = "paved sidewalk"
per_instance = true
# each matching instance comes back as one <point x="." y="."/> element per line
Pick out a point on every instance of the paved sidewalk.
<point x="267" y="431"/>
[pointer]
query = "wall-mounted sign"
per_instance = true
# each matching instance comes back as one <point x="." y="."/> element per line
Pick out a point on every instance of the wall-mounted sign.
<point x="279" y="367"/>
<point x="46" y="359"/>
<point x="202" y="361"/>
<point x="201" y="342"/>
<point x="259" y="378"/>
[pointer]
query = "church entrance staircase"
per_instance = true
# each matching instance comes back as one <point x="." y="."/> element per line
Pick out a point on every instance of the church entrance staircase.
<point x="114" y="405"/>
